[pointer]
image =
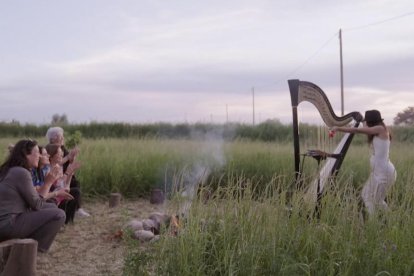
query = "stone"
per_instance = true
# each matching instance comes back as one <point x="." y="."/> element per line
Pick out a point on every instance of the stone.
<point x="144" y="235"/>
<point x="135" y="225"/>
<point x="148" y="224"/>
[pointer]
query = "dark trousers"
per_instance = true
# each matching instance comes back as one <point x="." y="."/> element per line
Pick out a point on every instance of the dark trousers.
<point x="74" y="183"/>
<point x="70" y="206"/>
<point x="41" y="225"/>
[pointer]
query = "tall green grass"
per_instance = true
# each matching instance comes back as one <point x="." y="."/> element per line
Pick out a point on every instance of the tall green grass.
<point x="239" y="232"/>
<point x="246" y="230"/>
<point x="135" y="166"/>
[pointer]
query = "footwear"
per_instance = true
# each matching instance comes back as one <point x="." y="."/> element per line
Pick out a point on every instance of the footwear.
<point x="82" y="213"/>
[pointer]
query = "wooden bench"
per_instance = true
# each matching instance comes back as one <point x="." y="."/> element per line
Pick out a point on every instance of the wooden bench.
<point x="18" y="257"/>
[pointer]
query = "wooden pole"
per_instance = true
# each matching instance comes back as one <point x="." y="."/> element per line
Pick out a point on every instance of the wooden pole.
<point x="227" y="114"/>
<point x="114" y="200"/>
<point x="253" y="104"/>
<point x="18" y="257"/>
<point x="342" y="72"/>
<point x="157" y="196"/>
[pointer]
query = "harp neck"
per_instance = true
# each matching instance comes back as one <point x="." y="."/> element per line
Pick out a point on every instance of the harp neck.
<point x="301" y="91"/>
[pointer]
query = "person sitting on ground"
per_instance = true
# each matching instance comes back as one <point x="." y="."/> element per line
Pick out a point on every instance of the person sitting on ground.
<point x="23" y="212"/>
<point x="55" y="136"/>
<point x="63" y="182"/>
<point x="44" y="176"/>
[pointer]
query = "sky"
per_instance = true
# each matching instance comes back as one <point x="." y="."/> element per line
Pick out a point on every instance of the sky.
<point x="143" y="61"/>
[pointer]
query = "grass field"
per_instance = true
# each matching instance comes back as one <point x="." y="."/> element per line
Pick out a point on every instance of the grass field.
<point x="246" y="229"/>
<point x="245" y="232"/>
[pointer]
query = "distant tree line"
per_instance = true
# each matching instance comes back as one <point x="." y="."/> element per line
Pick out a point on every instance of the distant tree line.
<point x="269" y="131"/>
<point x="405" y="117"/>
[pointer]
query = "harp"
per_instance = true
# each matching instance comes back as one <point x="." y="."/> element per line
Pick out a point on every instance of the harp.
<point x="301" y="91"/>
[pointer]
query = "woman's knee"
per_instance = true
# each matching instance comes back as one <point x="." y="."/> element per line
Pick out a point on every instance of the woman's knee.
<point x="49" y="205"/>
<point x="59" y="214"/>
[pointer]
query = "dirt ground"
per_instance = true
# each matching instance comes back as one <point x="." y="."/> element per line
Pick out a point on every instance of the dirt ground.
<point x="91" y="246"/>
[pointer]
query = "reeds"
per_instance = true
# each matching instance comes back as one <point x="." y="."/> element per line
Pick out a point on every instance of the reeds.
<point x="242" y="232"/>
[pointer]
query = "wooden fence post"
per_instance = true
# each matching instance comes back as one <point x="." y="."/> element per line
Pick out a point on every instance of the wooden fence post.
<point x="114" y="200"/>
<point x="18" y="257"/>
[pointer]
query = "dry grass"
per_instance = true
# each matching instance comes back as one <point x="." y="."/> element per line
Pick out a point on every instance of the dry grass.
<point x="93" y="246"/>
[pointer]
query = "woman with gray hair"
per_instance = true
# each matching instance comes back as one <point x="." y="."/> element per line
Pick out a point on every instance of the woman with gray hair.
<point x="55" y="136"/>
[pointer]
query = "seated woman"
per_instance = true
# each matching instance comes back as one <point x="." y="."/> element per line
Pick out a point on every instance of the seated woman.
<point x="44" y="176"/>
<point x="63" y="182"/>
<point x="23" y="212"/>
<point x="55" y="135"/>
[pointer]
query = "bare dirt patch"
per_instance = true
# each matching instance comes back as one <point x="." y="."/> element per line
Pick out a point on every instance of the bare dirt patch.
<point x="93" y="245"/>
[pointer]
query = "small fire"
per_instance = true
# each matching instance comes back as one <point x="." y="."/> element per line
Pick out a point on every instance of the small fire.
<point x="117" y="236"/>
<point x="174" y="225"/>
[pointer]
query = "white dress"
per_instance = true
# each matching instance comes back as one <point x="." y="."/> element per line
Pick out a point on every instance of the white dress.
<point x="382" y="177"/>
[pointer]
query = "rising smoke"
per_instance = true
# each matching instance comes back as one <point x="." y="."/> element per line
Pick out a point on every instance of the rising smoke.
<point x="211" y="156"/>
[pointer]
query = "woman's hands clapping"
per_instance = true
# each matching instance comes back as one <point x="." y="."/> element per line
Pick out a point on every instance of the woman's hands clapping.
<point x="75" y="165"/>
<point x="54" y="174"/>
<point x="65" y="194"/>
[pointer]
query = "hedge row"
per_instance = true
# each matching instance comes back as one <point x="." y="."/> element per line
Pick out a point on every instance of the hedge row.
<point x="271" y="130"/>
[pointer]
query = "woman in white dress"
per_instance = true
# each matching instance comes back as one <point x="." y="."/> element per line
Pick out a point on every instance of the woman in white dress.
<point x="383" y="174"/>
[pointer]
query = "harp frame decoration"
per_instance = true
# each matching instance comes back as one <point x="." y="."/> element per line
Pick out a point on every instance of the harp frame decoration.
<point x="306" y="91"/>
